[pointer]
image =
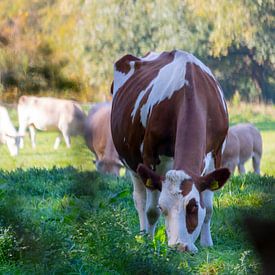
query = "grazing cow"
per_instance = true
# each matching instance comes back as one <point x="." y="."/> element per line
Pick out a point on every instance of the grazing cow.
<point x="48" y="113"/>
<point x="8" y="134"/>
<point x="99" y="139"/>
<point x="243" y="142"/>
<point x="169" y="121"/>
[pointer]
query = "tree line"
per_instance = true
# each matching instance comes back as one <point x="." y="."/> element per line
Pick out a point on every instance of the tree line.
<point x="67" y="48"/>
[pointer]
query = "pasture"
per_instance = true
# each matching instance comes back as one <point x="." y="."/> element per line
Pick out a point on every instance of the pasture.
<point x="58" y="215"/>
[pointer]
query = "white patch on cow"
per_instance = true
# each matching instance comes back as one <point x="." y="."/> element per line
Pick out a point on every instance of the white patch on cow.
<point x="175" y="177"/>
<point x="141" y="147"/>
<point x="151" y="56"/>
<point x="139" y="98"/>
<point x="223" y="145"/>
<point x="170" y="79"/>
<point x="207" y="163"/>
<point x="222" y="97"/>
<point x="120" y="78"/>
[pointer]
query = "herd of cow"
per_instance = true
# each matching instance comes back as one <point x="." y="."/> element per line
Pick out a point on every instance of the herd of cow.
<point x="168" y="125"/>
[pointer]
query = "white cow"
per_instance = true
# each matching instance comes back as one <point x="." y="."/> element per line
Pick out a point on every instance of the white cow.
<point x="8" y="134"/>
<point x="243" y="142"/>
<point x="48" y="113"/>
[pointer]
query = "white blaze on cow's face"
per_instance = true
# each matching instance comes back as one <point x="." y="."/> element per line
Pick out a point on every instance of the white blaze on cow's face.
<point x="182" y="209"/>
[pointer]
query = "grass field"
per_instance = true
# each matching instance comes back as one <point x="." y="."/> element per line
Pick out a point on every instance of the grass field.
<point x="59" y="216"/>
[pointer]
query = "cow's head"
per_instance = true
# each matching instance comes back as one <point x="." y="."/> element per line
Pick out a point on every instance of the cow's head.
<point x="181" y="202"/>
<point x="108" y="166"/>
<point x="13" y="142"/>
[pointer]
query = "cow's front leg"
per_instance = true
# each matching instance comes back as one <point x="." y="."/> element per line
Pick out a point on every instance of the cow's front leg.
<point x="67" y="140"/>
<point x="206" y="239"/>
<point x="139" y="196"/>
<point x="152" y="210"/>
<point x="32" y="136"/>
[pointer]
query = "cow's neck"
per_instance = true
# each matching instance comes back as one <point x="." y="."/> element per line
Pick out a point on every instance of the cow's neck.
<point x="190" y="137"/>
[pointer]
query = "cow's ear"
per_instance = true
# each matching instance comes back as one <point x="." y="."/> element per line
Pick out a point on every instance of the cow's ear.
<point x="214" y="180"/>
<point x="151" y="179"/>
<point x="112" y="87"/>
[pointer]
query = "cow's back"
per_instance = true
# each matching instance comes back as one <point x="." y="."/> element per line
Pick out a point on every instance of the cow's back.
<point x="154" y="105"/>
<point x="47" y="113"/>
<point x="249" y="138"/>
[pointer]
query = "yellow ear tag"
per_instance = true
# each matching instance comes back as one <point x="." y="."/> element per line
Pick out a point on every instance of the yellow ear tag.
<point x="214" y="185"/>
<point x="149" y="183"/>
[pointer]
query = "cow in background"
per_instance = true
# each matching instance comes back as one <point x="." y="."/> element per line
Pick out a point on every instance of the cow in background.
<point x="48" y="113"/>
<point x="243" y="142"/>
<point x="8" y="134"/>
<point x="169" y="121"/>
<point x="99" y="139"/>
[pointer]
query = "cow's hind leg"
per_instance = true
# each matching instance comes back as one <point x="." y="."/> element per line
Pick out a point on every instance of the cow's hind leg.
<point x="241" y="168"/>
<point x="152" y="211"/>
<point x="256" y="161"/>
<point x="66" y="138"/>
<point x="139" y="196"/>
<point x="32" y="135"/>
<point x="57" y="142"/>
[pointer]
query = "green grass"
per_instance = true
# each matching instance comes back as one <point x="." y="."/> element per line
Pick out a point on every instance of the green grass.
<point x="59" y="216"/>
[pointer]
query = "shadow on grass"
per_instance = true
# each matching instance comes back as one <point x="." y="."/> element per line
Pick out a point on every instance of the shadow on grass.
<point x="43" y="207"/>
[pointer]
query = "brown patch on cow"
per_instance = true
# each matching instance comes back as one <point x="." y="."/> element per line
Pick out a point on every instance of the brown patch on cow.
<point x="123" y="64"/>
<point x="213" y="181"/>
<point x="191" y="216"/>
<point x="186" y="187"/>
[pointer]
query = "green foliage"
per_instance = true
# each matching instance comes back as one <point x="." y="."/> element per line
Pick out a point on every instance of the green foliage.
<point x="68" y="49"/>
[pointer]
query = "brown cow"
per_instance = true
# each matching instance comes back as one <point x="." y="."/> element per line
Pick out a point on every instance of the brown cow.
<point x="99" y="139"/>
<point x="169" y="121"/>
<point x="243" y="142"/>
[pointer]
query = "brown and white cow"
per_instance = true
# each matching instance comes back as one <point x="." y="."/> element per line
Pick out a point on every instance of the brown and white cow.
<point x="243" y="142"/>
<point x="48" y="113"/>
<point x="99" y="139"/>
<point x="8" y="134"/>
<point x="169" y="121"/>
